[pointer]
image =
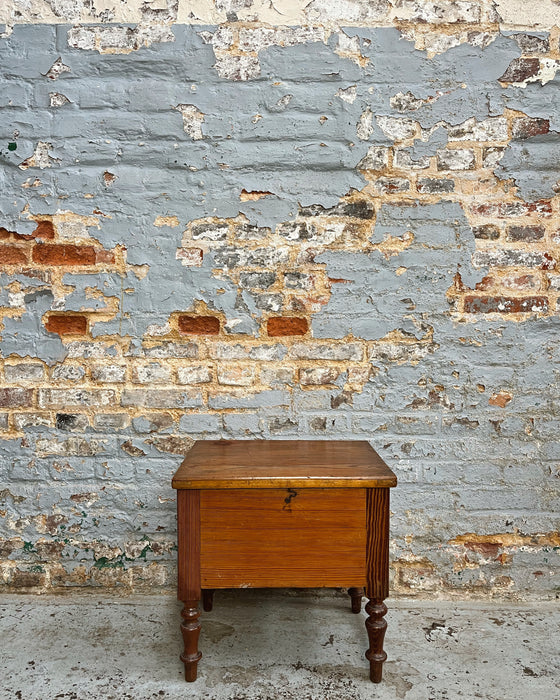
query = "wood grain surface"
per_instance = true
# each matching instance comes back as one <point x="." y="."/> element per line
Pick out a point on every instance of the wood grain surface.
<point x="276" y="538"/>
<point x="188" y="545"/>
<point x="377" y="517"/>
<point x="225" y="464"/>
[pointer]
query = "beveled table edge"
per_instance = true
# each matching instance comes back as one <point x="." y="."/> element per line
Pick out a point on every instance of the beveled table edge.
<point x="270" y="481"/>
<point x="284" y="483"/>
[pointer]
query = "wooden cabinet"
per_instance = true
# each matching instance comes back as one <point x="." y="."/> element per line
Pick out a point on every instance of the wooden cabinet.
<point x="283" y="513"/>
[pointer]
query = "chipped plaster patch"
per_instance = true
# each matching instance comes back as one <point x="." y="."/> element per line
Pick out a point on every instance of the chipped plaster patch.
<point x="364" y="128"/>
<point x="349" y="47"/>
<point x="57" y="68"/>
<point x="253" y="195"/>
<point x="398" y="128"/>
<point x="171" y="221"/>
<point x="543" y="14"/>
<point x="41" y="157"/>
<point x="192" y="120"/>
<point x="57" y="99"/>
<point x="115" y="39"/>
<point x="348" y="94"/>
<point x="334" y="11"/>
<point x="242" y="67"/>
<point x="74" y="226"/>
<point x="431" y="12"/>
<point x="393" y="245"/>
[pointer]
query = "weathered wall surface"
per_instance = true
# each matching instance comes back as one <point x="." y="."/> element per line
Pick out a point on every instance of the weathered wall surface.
<point x="280" y="219"/>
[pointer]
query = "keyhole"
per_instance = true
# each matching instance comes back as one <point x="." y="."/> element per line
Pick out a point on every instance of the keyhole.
<point x="292" y="493"/>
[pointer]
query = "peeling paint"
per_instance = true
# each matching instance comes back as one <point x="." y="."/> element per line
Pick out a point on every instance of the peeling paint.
<point x="349" y="232"/>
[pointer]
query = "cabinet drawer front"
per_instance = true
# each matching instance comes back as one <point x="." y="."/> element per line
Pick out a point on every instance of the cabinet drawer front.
<point x="254" y="538"/>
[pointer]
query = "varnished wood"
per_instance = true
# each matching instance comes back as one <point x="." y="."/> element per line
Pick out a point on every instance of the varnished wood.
<point x="308" y="538"/>
<point x="356" y="594"/>
<point x="190" y="628"/>
<point x="283" y="513"/>
<point x="188" y="530"/>
<point x="377" y="525"/>
<point x="225" y="464"/>
<point x="208" y="599"/>
<point x="376" y="626"/>
<point x="188" y="544"/>
<point x="377" y="586"/>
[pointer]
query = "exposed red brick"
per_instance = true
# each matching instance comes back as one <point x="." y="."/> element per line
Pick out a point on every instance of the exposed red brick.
<point x="521" y="282"/>
<point x="549" y="262"/>
<point x="44" y="229"/>
<point x="501" y="399"/>
<point x="12" y="255"/>
<point x="287" y="325"/>
<point x="504" y="210"/>
<point x="4" y="234"/>
<point x="458" y="283"/>
<point x="486" y="283"/>
<point x="104" y="256"/>
<point x="504" y="305"/>
<point x="540" y="207"/>
<point x="489" y="549"/>
<point x="67" y="324"/>
<point x="520" y="69"/>
<point x="525" y="127"/>
<point x="199" y="325"/>
<point x="64" y="254"/>
<point x="34" y="273"/>
<point x="10" y="398"/>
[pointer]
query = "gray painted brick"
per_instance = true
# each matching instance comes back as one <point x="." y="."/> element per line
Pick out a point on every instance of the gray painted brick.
<point x="262" y="399"/>
<point x="196" y="423"/>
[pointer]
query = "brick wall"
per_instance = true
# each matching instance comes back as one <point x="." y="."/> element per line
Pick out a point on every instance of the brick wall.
<point x="242" y="219"/>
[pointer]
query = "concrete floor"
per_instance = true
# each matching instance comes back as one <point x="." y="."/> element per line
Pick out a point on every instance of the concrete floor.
<point x="273" y="645"/>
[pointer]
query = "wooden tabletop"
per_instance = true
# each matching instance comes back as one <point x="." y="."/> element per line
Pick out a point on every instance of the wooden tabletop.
<point x="233" y="464"/>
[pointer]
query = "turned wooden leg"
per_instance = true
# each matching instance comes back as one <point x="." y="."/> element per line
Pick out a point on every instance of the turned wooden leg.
<point x="376" y="626"/>
<point x="207" y="599"/>
<point x="188" y="536"/>
<point x="377" y="566"/>
<point x="190" y="627"/>
<point x="356" y="595"/>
